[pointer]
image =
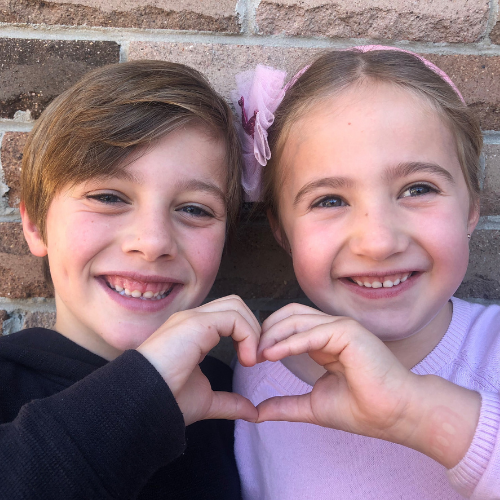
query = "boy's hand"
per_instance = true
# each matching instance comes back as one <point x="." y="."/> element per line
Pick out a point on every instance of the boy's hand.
<point x="183" y="341"/>
<point x="366" y="390"/>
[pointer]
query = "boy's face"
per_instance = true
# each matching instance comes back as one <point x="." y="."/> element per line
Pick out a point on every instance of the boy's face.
<point x="127" y="252"/>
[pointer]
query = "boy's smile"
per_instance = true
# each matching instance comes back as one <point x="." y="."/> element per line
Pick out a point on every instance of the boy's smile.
<point x="376" y="211"/>
<point x="127" y="252"/>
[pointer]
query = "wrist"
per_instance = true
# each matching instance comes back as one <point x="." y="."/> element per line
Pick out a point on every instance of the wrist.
<point x="441" y="419"/>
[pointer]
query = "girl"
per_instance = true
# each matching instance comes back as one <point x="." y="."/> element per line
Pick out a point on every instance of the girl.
<point x="373" y="190"/>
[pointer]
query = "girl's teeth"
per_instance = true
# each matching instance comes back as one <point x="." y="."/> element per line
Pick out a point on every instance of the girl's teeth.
<point x="125" y="292"/>
<point x="386" y="284"/>
<point x="128" y="293"/>
<point x="136" y="294"/>
<point x="118" y="288"/>
<point x="147" y="295"/>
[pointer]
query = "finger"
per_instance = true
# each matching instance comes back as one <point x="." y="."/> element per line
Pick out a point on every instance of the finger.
<point x="285" y="312"/>
<point x="231" y="406"/>
<point x="234" y="303"/>
<point x="287" y="408"/>
<point x="292" y="325"/>
<point x="319" y="338"/>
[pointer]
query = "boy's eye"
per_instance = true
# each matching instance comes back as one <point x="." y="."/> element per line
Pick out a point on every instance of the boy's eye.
<point x="418" y="190"/>
<point x="107" y="198"/>
<point x="195" y="211"/>
<point x="330" y="202"/>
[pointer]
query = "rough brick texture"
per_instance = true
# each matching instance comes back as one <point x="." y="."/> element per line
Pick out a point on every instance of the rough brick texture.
<point x="40" y="319"/>
<point x="165" y="14"/>
<point x="490" y="196"/>
<point x="33" y="72"/>
<point x="475" y="76"/>
<point x="3" y="317"/>
<point x="482" y="280"/>
<point x="21" y="274"/>
<point x="254" y="266"/>
<point x="438" y="21"/>
<point x="220" y="63"/>
<point x="11" y="157"/>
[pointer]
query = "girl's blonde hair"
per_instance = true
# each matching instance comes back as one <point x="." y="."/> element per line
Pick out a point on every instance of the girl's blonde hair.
<point x="336" y="71"/>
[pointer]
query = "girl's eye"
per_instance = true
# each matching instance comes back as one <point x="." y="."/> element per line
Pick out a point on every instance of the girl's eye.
<point x="418" y="190"/>
<point x="330" y="202"/>
<point x="195" y="211"/>
<point x="106" y="198"/>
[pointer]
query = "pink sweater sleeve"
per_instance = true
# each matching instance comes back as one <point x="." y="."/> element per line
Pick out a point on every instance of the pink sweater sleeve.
<point x="477" y="475"/>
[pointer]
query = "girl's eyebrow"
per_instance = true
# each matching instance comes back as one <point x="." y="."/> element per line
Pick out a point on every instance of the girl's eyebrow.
<point x="329" y="182"/>
<point x="408" y="168"/>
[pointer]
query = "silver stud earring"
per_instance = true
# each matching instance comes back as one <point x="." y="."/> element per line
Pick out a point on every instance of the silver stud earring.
<point x="468" y="236"/>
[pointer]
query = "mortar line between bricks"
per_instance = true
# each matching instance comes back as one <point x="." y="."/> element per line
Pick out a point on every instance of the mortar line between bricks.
<point x="124" y="52"/>
<point x="492" y="18"/>
<point x="38" y="304"/>
<point x="15" y="126"/>
<point x="491" y="137"/>
<point x="12" y="217"/>
<point x="489" y="223"/>
<point x="120" y="35"/>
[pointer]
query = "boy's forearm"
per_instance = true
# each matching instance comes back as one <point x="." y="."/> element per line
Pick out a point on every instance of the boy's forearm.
<point x="441" y="420"/>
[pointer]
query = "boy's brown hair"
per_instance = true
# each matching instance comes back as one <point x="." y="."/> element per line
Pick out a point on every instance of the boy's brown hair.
<point x="336" y="71"/>
<point x="92" y="129"/>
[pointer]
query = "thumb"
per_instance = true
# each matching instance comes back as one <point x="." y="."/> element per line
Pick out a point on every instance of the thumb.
<point x="231" y="406"/>
<point x="288" y="408"/>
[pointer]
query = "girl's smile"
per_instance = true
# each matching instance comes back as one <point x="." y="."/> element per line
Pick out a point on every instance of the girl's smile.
<point x="375" y="209"/>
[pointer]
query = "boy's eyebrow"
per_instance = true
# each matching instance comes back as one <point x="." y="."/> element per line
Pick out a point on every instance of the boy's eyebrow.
<point x="407" y="168"/>
<point x="197" y="185"/>
<point x="329" y="182"/>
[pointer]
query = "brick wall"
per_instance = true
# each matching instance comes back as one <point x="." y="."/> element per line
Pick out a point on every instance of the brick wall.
<point x="46" y="46"/>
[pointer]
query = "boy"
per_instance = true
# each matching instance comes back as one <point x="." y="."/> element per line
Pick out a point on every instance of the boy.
<point x="129" y="180"/>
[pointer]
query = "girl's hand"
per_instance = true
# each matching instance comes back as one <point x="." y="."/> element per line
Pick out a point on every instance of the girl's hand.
<point x="366" y="390"/>
<point x="182" y="342"/>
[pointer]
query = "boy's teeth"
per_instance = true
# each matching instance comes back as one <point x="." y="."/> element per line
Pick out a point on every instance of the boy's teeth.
<point x="384" y="282"/>
<point x="137" y="294"/>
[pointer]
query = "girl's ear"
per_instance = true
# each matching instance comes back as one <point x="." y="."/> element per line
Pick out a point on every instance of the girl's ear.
<point x="32" y="234"/>
<point x="278" y="232"/>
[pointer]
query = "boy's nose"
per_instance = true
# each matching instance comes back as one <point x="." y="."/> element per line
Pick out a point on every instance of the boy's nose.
<point x="377" y="234"/>
<point x="152" y="236"/>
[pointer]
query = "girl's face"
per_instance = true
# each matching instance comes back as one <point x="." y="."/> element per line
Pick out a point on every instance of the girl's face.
<point x="376" y="210"/>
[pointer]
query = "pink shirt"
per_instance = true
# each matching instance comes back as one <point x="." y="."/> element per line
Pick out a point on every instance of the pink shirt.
<point x="287" y="460"/>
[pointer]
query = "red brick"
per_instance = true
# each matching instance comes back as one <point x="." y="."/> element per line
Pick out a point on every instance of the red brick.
<point x="208" y="15"/>
<point x="475" y="76"/>
<point x="482" y="280"/>
<point x="21" y="273"/>
<point x="490" y="196"/>
<point x="437" y="21"/>
<point x="39" y="319"/>
<point x="33" y="72"/>
<point x="11" y="157"/>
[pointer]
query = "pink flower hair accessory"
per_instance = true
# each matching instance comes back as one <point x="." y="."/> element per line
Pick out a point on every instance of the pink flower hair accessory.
<point x="258" y="94"/>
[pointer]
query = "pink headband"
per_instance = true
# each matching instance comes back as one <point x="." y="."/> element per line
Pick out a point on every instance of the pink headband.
<point x="262" y="91"/>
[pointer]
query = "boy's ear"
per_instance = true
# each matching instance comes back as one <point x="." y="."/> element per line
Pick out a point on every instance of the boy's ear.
<point x="32" y="234"/>
<point x="474" y="213"/>
<point x="277" y="232"/>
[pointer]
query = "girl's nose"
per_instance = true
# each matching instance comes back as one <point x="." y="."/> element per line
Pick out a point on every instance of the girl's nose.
<point x="152" y="236"/>
<point x="378" y="234"/>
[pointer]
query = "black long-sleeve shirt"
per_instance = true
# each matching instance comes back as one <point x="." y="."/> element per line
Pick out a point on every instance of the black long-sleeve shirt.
<point x="74" y="426"/>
